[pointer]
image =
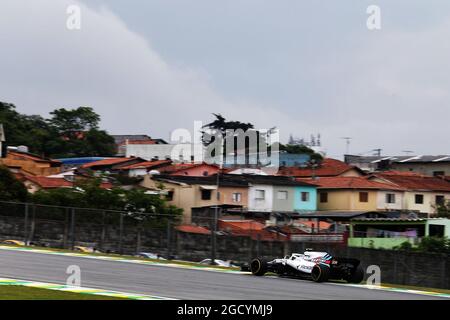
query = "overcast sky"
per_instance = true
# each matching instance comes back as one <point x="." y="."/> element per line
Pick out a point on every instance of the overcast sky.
<point x="303" y="66"/>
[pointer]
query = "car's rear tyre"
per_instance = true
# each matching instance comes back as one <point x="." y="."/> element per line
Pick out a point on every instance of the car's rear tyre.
<point x="356" y="276"/>
<point x="320" y="273"/>
<point x="258" y="267"/>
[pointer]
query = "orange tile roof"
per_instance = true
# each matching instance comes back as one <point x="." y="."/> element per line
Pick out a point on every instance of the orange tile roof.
<point x="176" y="167"/>
<point x="241" y="225"/>
<point x="351" y="183"/>
<point x="52" y="183"/>
<point x="49" y="183"/>
<point x="400" y="173"/>
<point x="146" y="164"/>
<point x="33" y="157"/>
<point x="192" y="229"/>
<point x="310" y="224"/>
<point x="106" y="162"/>
<point x="264" y="234"/>
<point x="328" y="168"/>
<point x="415" y="182"/>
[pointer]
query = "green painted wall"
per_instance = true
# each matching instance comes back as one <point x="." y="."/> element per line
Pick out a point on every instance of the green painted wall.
<point x="377" y="243"/>
<point x="441" y="222"/>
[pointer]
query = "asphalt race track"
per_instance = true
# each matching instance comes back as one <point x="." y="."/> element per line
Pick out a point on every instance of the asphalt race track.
<point x="176" y="282"/>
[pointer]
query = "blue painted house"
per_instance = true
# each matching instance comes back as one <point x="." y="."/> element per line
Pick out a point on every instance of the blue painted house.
<point x="305" y="198"/>
<point x="280" y="193"/>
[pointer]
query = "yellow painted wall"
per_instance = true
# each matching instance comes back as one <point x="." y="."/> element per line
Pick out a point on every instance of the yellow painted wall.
<point x="347" y="200"/>
<point x="189" y="196"/>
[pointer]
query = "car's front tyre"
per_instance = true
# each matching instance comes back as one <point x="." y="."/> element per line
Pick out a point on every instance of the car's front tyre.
<point x="258" y="267"/>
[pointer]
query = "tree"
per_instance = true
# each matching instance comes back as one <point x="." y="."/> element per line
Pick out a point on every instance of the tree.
<point x="434" y="245"/>
<point x="68" y="133"/>
<point x="301" y="149"/>
<point x="236" y="131"/>
<point x="79" y="134"/>
<point x="443" y="210"/>
<point x="66" y="197"/>
<point x="71" y="122"/>
<point x="145" y="208"/>
<point x="11" y="189"/>
<point x="404" y="246"/>
<point x="31" y="131"/>
<point x="97" y="143"/>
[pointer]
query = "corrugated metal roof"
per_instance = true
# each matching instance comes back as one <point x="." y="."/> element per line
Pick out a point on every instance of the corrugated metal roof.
<point x="390" y="219"/>
<point x="403" y="159"/>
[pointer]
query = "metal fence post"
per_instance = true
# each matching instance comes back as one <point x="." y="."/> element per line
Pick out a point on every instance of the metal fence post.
<point x="72" y="230"/>
<point x="120" y="233"/>
<point x="103" y="235"/>
<point x="25" y="227"/>
<point x="169" y="236"/>
<point x="213" y="237"/>
<point x="258" y="245"/>
<point x="138" y="236"/>
<point x="66" y="228"/>
<point x="33" y="223"/>
<point x="395" y="278"/>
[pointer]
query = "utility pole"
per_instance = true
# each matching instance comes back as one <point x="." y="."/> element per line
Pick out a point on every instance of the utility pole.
<point x="2" y="141"/>
<point x="216" y="209"/>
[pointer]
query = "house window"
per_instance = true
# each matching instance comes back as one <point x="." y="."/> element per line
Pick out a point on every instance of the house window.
<point x="438" y="173"/>
<point x="419" y="198"/>
<point x="260" y="194"/>
<point x="282" y="195"/>
<point x="236" y="197"/>
<point x="436" y="231"/>
<point x="206" y="194"/>
<point x="304" y="196"/>
<point x="440" y="200"/>
<point x="363" y="197"/>
<point x="323" y="197"/>
<point x="169" y="196"/>
<point x="390" y="198"/>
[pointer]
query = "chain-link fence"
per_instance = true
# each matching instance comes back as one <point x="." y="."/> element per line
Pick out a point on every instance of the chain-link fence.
<point x="235" y="238"/>
<point x="100" y="230"/>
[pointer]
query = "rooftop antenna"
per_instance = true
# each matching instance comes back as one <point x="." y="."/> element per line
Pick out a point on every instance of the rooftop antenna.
<point x="347" y="141"/>
<point x="377" y="152"/>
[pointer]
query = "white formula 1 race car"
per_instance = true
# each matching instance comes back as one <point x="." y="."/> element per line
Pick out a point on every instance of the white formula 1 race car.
<point x="318" y="266"/>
